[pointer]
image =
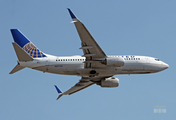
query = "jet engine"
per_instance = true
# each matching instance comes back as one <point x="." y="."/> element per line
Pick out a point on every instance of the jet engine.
<point x="114" y="61"/>
<point x="109" y="82"/>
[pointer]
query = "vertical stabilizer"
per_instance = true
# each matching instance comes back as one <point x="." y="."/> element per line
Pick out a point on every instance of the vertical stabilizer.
<point x="24" y="43"/>
<point x="24" y="48"/>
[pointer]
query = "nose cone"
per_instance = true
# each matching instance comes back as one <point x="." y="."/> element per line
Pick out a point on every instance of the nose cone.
<point x="164" y="66"/>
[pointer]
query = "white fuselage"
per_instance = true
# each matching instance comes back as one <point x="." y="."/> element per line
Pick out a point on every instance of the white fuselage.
<point x="74" y="65"/>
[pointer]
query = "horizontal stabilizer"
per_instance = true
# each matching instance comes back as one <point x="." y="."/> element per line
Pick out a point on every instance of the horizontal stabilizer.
<point x="21" y="54"/>
<point x="16" y="68"/>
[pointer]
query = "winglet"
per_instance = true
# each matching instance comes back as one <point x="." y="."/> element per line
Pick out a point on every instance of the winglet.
<point x="72" y="16"/>
<point x="59" y="91"/>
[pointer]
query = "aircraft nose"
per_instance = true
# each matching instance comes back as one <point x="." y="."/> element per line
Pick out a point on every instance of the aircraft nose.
<point x="165" y="65"/>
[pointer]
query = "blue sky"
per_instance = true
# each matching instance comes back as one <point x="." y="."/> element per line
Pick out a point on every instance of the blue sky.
<point x="121" y="27"/>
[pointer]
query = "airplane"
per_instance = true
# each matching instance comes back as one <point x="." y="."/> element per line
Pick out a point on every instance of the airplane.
<point x="94" y="66"/>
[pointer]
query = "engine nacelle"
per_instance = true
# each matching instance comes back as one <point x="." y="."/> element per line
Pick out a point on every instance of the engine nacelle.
<point x="114" y="61"/>
<point x="109" y="82"/>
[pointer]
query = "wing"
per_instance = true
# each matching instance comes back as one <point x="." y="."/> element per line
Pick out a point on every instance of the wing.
<point x="82" y="84"/>
<point x="91" y="49"/>
<point x="92" y="52"/>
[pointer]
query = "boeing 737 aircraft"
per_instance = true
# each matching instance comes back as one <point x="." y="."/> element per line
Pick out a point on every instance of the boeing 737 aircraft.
<point x="94" y="67"/>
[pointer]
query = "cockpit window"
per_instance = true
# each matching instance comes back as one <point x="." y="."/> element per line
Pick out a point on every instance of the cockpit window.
<point x="157" y="59"/>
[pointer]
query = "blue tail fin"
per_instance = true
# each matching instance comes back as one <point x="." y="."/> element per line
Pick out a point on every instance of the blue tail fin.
<point x="26" y="45"/>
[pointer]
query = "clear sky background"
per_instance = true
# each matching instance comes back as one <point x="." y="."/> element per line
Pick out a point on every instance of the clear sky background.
<point x="121" y="27"/>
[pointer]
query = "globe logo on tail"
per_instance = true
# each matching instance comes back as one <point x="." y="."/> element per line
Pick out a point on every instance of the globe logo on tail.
<point x="33" y="51"/>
